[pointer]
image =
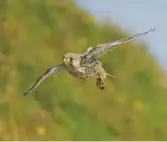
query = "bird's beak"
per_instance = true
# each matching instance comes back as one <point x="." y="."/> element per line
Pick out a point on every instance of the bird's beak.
<point x="66" y="60"/>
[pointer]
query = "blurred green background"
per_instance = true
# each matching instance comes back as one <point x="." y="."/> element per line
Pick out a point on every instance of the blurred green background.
<point x="34" y="35"/>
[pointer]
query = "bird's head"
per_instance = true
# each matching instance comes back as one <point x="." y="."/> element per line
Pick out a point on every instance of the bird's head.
<point x="71" y="59"/>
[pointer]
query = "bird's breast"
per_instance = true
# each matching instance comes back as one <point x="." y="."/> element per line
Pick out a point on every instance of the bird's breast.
<point x="86" y="75"/>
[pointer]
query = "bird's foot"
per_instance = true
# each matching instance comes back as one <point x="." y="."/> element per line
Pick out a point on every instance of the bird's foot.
<point x="100" y="82"/>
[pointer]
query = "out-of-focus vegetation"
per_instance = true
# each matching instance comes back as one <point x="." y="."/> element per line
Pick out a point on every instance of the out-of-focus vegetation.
<point x="34" y="35"/>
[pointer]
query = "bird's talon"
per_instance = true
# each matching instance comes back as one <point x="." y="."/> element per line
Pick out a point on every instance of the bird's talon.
<point x="102" y="88"/>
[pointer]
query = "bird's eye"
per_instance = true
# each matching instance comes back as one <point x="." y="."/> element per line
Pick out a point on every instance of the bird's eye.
<point x="71" y="58"/>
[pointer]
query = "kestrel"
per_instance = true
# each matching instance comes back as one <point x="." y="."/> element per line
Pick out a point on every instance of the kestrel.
<point x="85" y="66"/>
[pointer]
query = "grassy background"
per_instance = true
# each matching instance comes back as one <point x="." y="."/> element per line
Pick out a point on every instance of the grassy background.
<point x="34" y="35"/>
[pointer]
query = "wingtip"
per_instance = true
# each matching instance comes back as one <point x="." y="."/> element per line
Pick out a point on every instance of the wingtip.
<point x="152" y="29"/>
<point x="25" y="94"/>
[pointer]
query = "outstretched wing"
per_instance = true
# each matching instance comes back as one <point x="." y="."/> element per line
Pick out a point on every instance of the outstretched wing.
<point x="48" y="72"/>
<point x="100" y="49"/>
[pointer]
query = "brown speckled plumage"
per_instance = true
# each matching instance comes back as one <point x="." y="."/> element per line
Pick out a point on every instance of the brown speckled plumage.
<point x="85" y="66"/>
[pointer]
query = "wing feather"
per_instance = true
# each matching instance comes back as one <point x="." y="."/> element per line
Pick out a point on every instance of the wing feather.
<point x="48" y="72"/>
<point x="100" y="49"/>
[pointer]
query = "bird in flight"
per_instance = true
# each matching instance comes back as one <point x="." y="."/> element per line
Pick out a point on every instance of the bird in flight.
<point x="86" y="65"/>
